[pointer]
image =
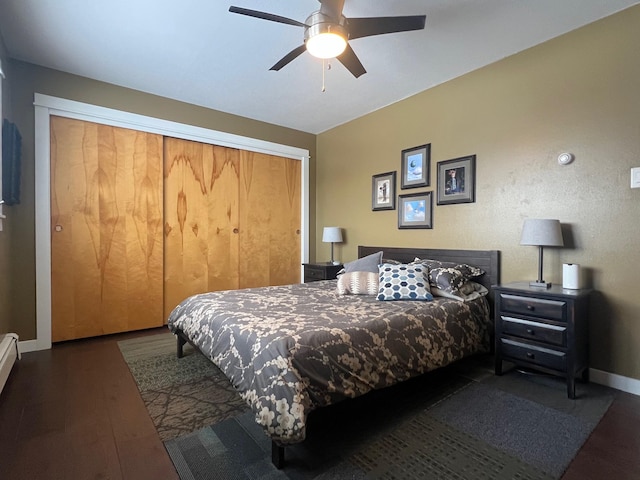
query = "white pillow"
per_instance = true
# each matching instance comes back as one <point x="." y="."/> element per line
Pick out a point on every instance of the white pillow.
<point x="358" y="283"/>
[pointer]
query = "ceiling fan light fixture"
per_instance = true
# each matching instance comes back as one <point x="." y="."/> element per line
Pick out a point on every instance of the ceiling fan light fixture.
<point x="327" y="31"/>
<point x="326" y="40"/>
<point x="326" y="45"/>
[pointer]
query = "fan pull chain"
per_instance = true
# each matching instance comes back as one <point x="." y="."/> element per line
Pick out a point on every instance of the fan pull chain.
<point x="323" y="89"/>
<point x="323" y="69"/>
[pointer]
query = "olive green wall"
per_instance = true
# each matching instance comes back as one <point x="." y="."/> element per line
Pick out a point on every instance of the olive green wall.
<point x="5" y="239"/>
<point x="19" y="263"/>
<point x="578" y="93"/>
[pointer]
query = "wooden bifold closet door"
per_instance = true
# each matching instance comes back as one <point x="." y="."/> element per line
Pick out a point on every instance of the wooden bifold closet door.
<point x="232" y="219"/>
<point x="106" y="221"/>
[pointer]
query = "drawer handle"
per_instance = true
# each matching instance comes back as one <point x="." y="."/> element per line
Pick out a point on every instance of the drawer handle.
<point x="531" y="355"/>
<point x="530" y="332"/>
<point x="531" y="308"/>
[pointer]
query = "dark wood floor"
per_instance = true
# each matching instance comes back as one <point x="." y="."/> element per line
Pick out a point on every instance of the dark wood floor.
<point x="74" y="412"/>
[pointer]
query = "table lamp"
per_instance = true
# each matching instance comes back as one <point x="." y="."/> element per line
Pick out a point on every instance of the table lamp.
<point x="541" y="233"/>
<point x="333" y="235"/>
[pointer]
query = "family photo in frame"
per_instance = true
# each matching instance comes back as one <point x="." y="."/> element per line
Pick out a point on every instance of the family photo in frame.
<point x="457" y="180"/>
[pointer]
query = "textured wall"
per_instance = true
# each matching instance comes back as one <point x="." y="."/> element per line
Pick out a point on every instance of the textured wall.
<point x="5" y="239"/>
<point x="577" y="93"/>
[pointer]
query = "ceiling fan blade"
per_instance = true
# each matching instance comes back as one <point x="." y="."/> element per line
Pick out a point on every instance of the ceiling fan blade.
<point x="332" y="8"/>
<point x="366" y="27"/>
<point x="292" y="55"/>
<point x="266" y="16"/>
<point x="349" y="59"/>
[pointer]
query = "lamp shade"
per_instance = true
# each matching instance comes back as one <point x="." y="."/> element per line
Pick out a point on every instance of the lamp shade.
<point x="332" y="234"/>
<point x="542" y="233"/>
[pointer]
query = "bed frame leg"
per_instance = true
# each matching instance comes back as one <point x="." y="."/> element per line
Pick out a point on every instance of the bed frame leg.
<point x="277" y="455"/>
<point x="180" y="343"/>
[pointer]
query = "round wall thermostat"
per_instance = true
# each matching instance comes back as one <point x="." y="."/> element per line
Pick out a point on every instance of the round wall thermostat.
<point x="565" y="158"/>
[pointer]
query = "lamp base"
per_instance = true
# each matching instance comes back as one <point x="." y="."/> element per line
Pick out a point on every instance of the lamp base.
<point x="542" y="284"/>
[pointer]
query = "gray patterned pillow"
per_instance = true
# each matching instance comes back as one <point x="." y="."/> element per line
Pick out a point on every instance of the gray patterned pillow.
<point x="358" y="283"/>
<point x="391" y="261"/>
<point x="450" y="277"/>
<point x="469" y="291"/>
<point x="403" y="282"/>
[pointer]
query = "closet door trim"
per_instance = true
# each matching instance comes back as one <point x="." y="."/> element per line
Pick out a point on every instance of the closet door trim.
<point x="46" y="105"/>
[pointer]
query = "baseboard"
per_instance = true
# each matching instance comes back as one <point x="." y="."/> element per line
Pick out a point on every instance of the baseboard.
<point x="625" y="384"/>
<point x="8" y="355"/>
<point x="28" y="346"/>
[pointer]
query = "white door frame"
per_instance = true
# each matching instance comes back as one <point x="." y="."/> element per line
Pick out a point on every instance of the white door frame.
<point x="45" y="106"/>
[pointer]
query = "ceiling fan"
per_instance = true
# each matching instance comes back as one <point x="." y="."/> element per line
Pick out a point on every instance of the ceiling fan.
<point x="327" y="32"/>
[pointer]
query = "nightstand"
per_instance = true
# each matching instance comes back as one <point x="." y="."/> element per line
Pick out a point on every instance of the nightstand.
<point x="543" y="329"/>
<point x="320" y="271"/>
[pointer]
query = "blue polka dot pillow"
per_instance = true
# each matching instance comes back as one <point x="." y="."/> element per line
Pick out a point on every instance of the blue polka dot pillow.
<point x="403" y="282"/>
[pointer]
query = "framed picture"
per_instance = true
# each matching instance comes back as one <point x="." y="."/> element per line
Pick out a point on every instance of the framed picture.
<point x="383" y="191"/>
<point x="415" y="210"/>
<point x="416" y="167"/>
<point x="457" y="180"/>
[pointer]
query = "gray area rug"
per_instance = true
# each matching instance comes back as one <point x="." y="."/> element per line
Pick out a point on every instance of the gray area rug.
<point x="460" y="422"/>
<point x="182" y="395"/>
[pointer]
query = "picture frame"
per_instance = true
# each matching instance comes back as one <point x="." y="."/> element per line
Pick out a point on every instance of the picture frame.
<point x="457" y="180"/>
<point x="415" y="210"/>
<point x="383" y="191"/>
<point x="415" y="167"/>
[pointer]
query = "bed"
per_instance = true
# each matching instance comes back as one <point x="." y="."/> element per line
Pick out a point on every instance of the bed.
<point x="291" y="349"/>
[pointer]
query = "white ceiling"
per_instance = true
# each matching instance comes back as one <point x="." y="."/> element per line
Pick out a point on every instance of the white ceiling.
<point x="196" y="51"/>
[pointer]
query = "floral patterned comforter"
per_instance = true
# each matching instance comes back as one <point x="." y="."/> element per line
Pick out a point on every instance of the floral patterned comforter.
<point x="290" y="349"/>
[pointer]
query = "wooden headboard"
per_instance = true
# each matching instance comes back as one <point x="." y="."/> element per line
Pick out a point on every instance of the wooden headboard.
<point x="487" y="260"/>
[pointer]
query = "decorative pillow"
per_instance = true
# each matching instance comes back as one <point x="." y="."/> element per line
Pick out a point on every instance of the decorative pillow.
<point x="358" y="283"/>
<point x="365" y="264"/>
<point x="391" y="261"/>
<point x="449" y="277"/>
<point x="403" y="282"/>
<point x="469" y="291"/>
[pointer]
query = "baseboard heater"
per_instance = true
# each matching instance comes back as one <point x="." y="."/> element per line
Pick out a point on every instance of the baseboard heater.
<point x="8" y="354"/>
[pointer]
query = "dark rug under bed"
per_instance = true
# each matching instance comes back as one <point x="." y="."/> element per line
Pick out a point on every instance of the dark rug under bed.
<point x="460" y="422"/>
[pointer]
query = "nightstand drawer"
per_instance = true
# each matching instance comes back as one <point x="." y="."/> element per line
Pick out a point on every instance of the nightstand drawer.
<point x="320" y="271"/>
<point x="541" y="332"/>
<point x="538" y="307"/>
<point x="314" y="273"/>
<point x="533" y="354"/>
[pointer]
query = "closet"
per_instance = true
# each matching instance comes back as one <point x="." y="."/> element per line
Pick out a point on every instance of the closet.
<point x="232" y="219"/>
<point x="140" y="221"/>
